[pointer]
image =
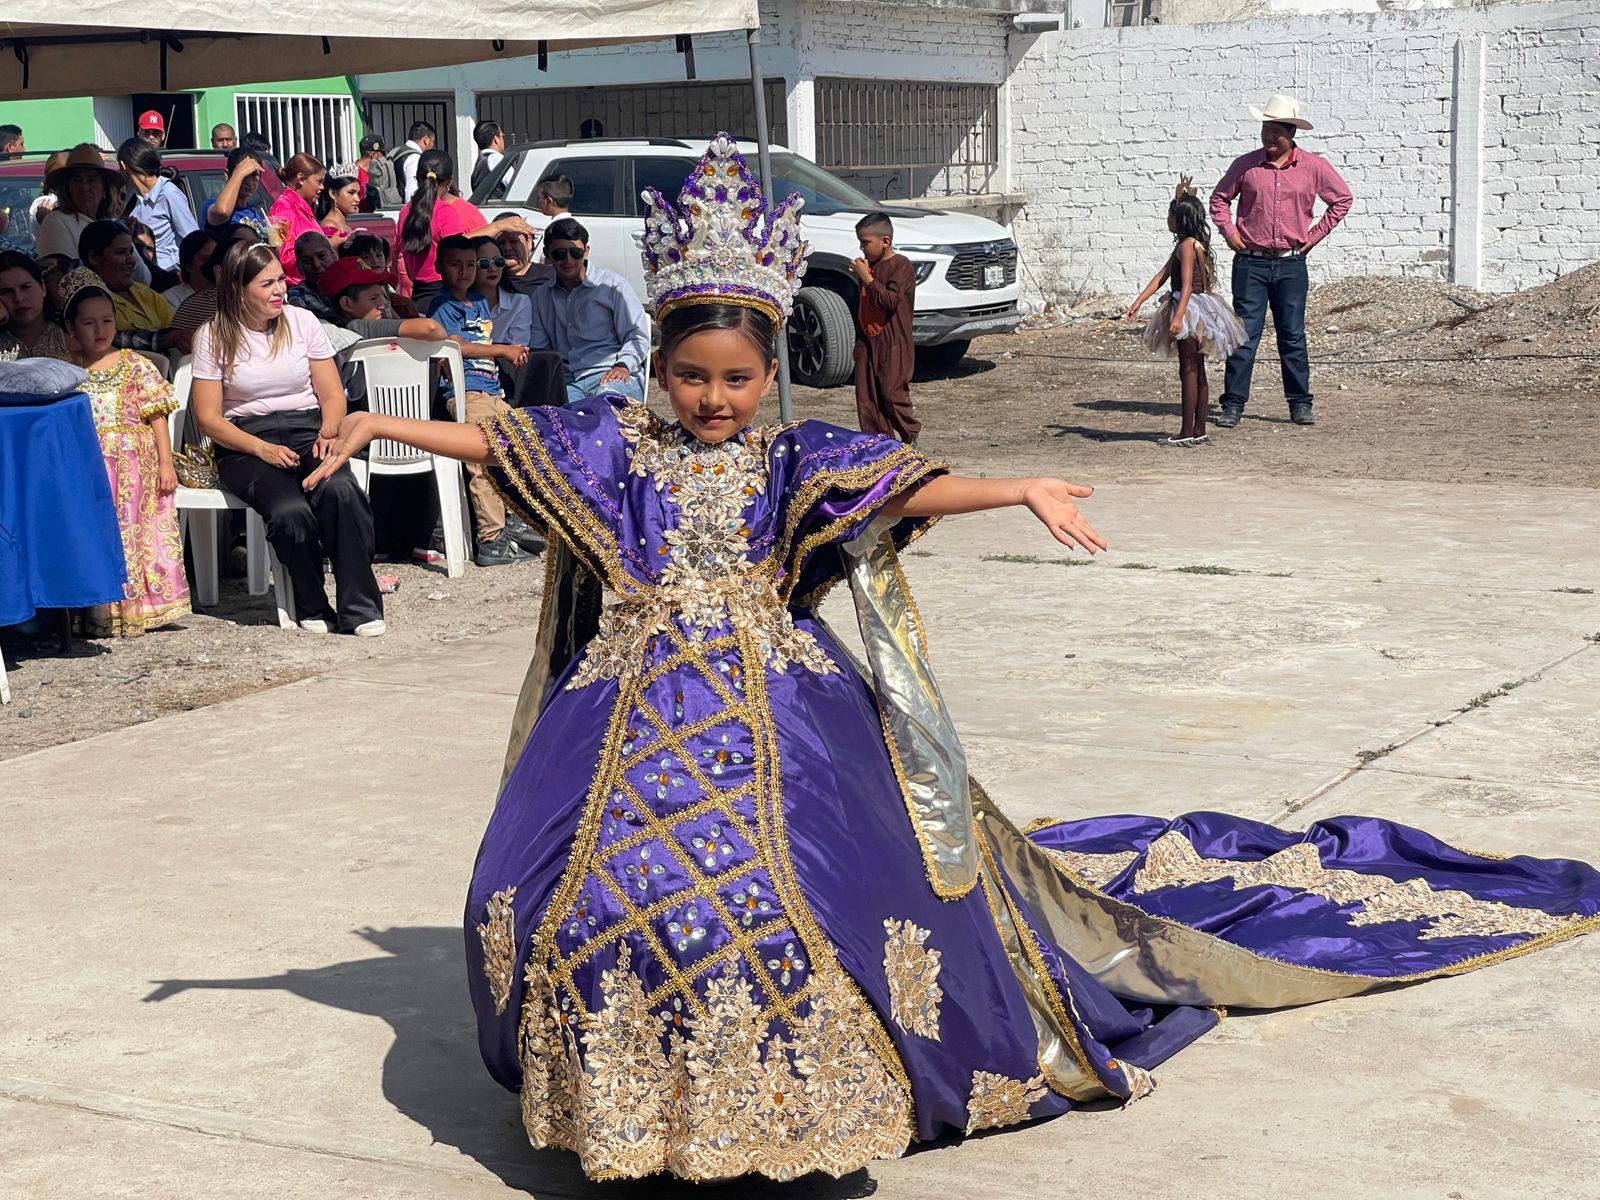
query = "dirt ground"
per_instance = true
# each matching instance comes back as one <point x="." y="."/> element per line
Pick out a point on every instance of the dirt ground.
<point x="1076" y="398"/>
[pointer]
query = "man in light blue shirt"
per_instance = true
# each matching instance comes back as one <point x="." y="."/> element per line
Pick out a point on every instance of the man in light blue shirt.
<point x="591" y="317"/>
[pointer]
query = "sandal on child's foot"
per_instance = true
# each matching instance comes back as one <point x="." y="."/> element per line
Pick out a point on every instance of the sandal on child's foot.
<point x="1199" y="439"/>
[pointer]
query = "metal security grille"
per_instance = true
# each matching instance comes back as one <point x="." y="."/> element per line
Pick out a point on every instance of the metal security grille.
<point x="390" y="119"/>
<point x="900" y="140"/>
<point x="323" y="126"/>
<point x="983" y="266"/>
<point x="681" y="110"/>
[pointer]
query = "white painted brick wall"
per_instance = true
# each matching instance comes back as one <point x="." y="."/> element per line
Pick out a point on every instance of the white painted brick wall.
<point x="1103" y="121"/>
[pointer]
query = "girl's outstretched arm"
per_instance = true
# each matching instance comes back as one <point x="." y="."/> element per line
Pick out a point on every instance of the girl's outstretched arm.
<point x="1150" y="289"/>
<point x="357" y="431"/>
<point x="1051" y="500"/>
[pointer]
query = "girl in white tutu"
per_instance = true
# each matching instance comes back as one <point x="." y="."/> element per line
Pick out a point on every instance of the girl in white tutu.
<point x="1193" y="320"/>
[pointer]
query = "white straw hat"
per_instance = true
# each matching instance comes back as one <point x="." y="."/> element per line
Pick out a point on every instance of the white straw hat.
<point x="1283" y="109"/>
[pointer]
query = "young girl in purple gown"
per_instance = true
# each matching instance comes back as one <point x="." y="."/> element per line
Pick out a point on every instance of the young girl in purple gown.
<point x="740" y="908"/>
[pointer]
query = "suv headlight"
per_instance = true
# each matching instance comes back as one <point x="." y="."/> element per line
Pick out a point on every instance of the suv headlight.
<point x="924" y="268"/>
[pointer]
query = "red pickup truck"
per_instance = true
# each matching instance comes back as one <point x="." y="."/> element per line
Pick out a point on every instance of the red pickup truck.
<point x="199" y="173"/>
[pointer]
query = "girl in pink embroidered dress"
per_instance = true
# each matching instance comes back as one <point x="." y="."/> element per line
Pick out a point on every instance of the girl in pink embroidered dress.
<point x="131" y="403"/>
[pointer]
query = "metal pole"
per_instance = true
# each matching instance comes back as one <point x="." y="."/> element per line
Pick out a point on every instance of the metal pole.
<point x="764" y="159"/>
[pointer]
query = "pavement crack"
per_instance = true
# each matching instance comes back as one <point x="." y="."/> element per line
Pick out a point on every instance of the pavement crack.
<point x="1366" y="758"/>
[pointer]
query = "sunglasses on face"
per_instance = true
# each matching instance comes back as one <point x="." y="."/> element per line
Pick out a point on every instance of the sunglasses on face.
<point x="565" y="255"/>
<point x="485" y="263"/>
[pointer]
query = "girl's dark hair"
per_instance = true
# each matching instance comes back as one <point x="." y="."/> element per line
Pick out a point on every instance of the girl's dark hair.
<point x="435" y="172"/>
<point x="15" y="260"/>
<point x="139" y="156"/>
<point x="97" y="237"/>
<point x="330" y="185"/>
<point x="1189" y="220"/>
<point x="79" y="296"/>
<point x="359" y="244"/>
<point x="756" y="326"/>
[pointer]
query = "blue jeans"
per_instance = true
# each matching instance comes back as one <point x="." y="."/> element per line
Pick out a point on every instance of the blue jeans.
<point x="1279" y="284"/>
<point x="582" y="386"/>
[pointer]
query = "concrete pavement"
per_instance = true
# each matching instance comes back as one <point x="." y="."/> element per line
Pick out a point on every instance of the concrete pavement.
<point x="233" y="961"/>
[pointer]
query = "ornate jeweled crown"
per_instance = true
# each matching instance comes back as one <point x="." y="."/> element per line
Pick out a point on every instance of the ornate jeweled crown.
<point x="720" y="244"/>
<point x="76" y="280"/>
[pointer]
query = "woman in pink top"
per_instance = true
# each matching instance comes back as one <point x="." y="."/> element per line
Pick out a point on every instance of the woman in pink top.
<point x="433" y="214"/>
<point x="294" y="211"/>
<point x="267" y="393"/>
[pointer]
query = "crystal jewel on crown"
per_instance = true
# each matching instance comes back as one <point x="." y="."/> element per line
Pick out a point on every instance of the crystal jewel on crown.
<point x="720" y="244"/>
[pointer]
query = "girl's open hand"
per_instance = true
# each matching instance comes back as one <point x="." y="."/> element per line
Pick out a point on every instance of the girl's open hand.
<point x="1053" y="502"/>
<point x="1133" y="312"/>
<point x="355" y="435"/>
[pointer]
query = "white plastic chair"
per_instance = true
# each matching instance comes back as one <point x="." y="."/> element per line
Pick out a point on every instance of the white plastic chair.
<point x="399" y="384"/>
<point x="200" y="511"/>
<point x="159" y="361"/>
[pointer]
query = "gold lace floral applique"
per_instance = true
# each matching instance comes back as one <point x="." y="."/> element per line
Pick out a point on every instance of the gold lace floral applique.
<point x="721" y="1098"/>
<point x="1096" y="870"/>
<point x="913" y="973"/>
<point x="1172" y="861"/>
<point x="499" y="936"/>
<point x="998" y="1100"/>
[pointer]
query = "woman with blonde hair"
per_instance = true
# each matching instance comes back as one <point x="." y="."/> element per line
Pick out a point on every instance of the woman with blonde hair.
<point x="267" y="393"/>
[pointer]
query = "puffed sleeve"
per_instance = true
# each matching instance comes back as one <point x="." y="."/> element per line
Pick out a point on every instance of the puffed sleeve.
<point x="151" y="393"/>
<point x="829" y="484"/>
<point x="562" y="470"/>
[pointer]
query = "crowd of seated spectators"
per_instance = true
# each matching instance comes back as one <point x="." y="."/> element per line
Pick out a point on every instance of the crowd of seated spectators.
<point x="453" y="272"/>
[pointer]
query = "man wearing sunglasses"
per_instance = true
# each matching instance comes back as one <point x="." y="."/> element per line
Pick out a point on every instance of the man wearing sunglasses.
<point x="591" y="317"/>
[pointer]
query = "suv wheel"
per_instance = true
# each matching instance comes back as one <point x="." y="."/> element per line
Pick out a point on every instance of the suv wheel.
<point x="944" y="356"/>
<point x="822" y="338"/>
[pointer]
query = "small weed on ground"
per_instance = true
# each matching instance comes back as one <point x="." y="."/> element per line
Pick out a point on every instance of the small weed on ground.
<point x="1033" y="560"/>
<point x="1207" y="570"/>
<point x="1136" y="566"/>
<point x="1574" y="591"/>
<point x="1372" y="756"/>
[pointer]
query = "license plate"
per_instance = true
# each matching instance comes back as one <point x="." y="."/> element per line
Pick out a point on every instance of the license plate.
<point x="994" y="276"/>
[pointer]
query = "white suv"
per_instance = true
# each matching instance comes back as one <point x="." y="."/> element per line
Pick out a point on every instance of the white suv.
<point x="966" y="265"/>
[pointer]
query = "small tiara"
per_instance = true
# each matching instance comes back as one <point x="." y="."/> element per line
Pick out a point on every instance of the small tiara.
<point x="81" y="279"/>
<point x="720" y="244"/>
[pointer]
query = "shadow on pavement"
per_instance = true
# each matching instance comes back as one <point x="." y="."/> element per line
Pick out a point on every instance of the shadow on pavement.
<point x="433" y="1075"/>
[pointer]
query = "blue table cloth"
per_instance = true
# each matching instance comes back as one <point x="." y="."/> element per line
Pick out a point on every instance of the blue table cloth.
<point x="59" y="542"/>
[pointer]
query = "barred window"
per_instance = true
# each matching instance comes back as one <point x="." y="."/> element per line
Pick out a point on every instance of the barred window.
<point x="903" y="140"/>
<point x="323" y="126"/>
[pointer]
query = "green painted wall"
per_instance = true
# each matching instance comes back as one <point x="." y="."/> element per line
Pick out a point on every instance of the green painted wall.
<point x="215" y="105"/>
<point x="51" y="124"/>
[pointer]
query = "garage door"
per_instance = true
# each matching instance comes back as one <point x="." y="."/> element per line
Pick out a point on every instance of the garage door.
<point x="686" y="110"/>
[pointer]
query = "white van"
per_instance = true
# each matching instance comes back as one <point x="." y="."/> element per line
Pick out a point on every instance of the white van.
<point x="966" y="265"/>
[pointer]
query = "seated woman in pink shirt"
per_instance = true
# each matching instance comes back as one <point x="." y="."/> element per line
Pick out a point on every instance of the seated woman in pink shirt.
<point x="267" y="393"/>
<point x="294" y="211"/>
<point x="433" y="214"/>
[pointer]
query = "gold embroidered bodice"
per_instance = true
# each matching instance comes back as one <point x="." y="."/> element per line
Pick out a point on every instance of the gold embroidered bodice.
<point x="708" y="581"/>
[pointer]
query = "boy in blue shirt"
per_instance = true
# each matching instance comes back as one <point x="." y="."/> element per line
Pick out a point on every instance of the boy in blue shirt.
<point x="468" y="322"/>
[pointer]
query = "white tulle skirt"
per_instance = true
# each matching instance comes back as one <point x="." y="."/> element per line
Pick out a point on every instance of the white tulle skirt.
<point x="1209" y="318"/>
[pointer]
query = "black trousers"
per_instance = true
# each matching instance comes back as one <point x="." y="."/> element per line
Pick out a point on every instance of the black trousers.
<point x="333" y="520"/>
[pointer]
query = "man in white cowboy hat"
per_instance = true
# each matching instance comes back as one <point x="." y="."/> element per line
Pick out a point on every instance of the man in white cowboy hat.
<point x="1276" y="187"/>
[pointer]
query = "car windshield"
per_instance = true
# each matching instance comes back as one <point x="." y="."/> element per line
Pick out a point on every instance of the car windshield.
<point x="824" y="195"/>
<point x="17" y="193"/>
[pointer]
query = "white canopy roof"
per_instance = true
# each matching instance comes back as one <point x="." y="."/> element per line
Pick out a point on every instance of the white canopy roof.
<point x="112" y="47"/>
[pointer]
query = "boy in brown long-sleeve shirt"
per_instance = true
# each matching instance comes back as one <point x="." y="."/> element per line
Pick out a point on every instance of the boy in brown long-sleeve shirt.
<point x="885" y="351"/>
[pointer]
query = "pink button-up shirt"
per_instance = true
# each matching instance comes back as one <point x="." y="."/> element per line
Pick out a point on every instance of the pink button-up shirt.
<point x="1275" y="202"/>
